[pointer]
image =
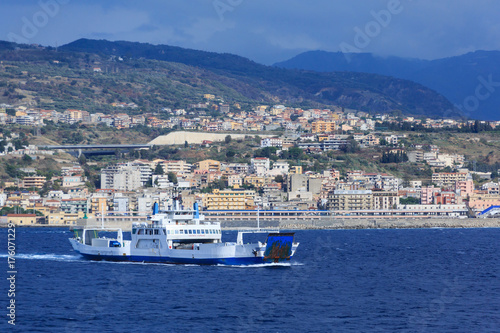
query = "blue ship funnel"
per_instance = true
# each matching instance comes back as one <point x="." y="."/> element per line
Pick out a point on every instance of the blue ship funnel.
<point x="196" y="211"/>
<point x="279" y="247"/>
<point x="155" y="208"/>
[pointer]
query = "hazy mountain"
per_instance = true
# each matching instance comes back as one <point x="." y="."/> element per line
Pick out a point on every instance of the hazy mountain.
<point x="457" y="78"/>
<point x="153" y="76"/>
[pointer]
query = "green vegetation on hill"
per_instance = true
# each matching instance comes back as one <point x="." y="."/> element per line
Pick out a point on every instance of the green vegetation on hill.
<point x="157" y="76"/>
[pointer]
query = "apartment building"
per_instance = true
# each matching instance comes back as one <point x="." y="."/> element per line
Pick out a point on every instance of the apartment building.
<point x="350" y="200"/>
<point x="122" y="177"/>
<point x="176" y="167"/>
<point x="33" y="182"/>
<point x="449" y="179"/>
<point x="385" y="199"/>
<point x="74" y="205"/>
<point x="271" y="142"/>
<point x="323" y="126"/>
<point x="208" y="165"/>
<point x="229" y="200"/>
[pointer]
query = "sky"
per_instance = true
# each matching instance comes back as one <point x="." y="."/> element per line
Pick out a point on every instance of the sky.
<point x="264" y="31"/>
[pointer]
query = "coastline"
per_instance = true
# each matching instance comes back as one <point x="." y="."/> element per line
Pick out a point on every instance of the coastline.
<point x="331" y="224"/>
<point x="370" y="223"/>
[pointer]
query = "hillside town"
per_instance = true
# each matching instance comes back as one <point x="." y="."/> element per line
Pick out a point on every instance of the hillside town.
<point x="277" y="183"/>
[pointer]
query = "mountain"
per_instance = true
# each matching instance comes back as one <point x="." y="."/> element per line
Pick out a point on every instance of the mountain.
<point x="456" y="78"/>
<point x="155" y="76"/>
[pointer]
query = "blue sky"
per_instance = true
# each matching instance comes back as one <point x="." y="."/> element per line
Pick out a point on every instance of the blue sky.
<point x="264" y="31"/>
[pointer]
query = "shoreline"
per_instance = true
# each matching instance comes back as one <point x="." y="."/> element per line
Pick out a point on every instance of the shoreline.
<point x="336" y="224"/>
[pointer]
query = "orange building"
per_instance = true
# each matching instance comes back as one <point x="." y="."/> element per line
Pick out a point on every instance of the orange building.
<point x="323" y="126"/>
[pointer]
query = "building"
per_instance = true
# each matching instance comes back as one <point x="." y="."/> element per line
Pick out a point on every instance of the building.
<point x="73" y="181"/>
<point x="279" y="168"/>
<point x="24" y="219"/>
<point x="271" y="142"/>
<point x="427" y="195"/>
<point x="323" y="126"/>
<point x="445" y="198"/>
<point x="480" y="202"/>
<point x="208" y="165"/>
<point x="259" y="165"/>
<point x="74" y="205"/>
<point x="385" y="199"/>
<point x="464" y="187"/>
<point x="234" y="180"/>
<point x="122" y="177"/>
<point x="491" y="188"/>
<point x="121" y="204"/>
<point x="296" y="169"/>
<point x="176" y="167"/>
<point x="256" y="181"/>
<point x="449" y="179"/>
<point x="350" y="200"/>
<point x="33" y="182"/>
<point x="62" y="218"/>
<point x="229" y="200"/>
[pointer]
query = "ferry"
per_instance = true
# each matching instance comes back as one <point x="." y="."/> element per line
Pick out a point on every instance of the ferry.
<point x="181" y="236"/>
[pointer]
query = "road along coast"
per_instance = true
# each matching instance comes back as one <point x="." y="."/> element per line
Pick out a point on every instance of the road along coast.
<point x="332" y="223"/>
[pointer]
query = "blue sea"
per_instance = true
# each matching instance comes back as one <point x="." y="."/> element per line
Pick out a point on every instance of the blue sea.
<point x="414" y="280"/>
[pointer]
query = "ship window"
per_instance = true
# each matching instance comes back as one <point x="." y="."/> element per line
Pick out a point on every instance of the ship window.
<point x="203" y="231"/>
<point x="156" y="231"/>
<point x="198" y="231"/>
<point x="190" y="231"/>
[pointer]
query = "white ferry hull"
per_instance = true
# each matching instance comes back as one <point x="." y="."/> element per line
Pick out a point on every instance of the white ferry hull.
<point x="181" y="236"/>
<point x="203" y="254"/>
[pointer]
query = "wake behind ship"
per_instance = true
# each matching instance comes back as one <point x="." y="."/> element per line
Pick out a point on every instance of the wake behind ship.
<point x="182" y="236"/>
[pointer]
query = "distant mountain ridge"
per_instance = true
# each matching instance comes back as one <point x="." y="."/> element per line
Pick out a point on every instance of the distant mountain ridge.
<point x="155" y="76"/>
<point x="470" y="81"/>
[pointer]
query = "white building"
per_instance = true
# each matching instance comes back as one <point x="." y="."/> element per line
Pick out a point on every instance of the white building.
<point x="259" y="165"/>
<point x="271" y="142"/>
<point x="122" y="177"/>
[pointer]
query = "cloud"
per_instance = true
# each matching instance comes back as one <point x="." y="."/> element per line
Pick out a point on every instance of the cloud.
<point x="204" y="29"/>
<point x="293" y="41"/>
<point x="269" y="31"/>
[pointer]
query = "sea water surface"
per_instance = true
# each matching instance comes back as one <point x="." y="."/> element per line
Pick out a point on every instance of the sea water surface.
<point x="414" y="280"/>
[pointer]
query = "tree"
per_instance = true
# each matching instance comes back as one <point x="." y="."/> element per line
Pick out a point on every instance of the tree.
<point x="265" y="152"/>
<point x="295" y="153"/>
<point x="172" y="177"/>
<point x="227" y="139"/>
<point x="27" y="159"/>
<point x="82" y="160"/>
<point x="230" y="154"/>
<point x="159" y="170"/>
<point x="409" y="201"/>
<point x="350" y="147"/>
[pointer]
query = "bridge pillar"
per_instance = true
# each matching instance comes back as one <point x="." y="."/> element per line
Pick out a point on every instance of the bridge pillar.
<point x="79" y="152"/>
